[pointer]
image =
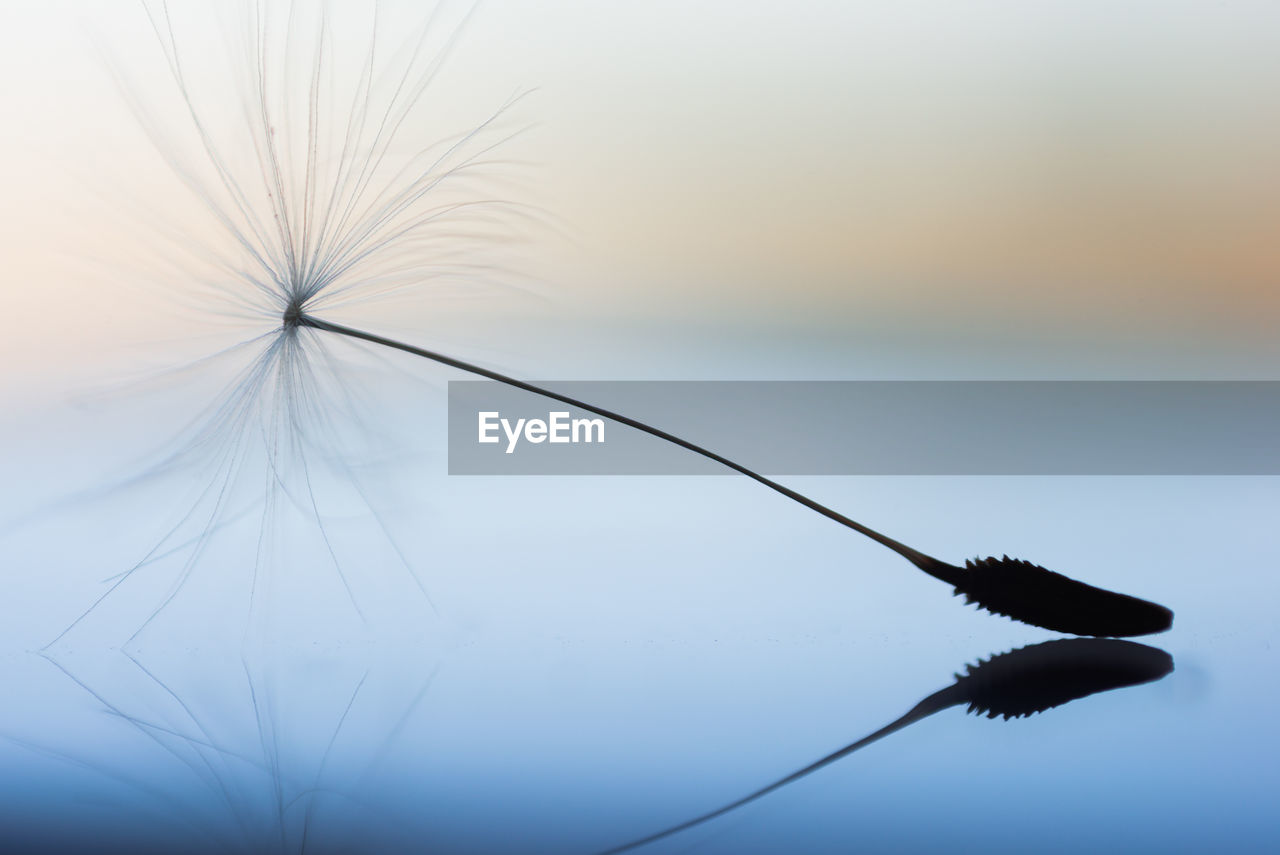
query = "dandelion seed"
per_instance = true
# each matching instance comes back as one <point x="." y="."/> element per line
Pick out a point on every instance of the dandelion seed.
<point x="317" y="230"/>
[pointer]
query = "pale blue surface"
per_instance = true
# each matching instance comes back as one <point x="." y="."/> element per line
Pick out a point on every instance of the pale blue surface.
<point x="609" y="656"/>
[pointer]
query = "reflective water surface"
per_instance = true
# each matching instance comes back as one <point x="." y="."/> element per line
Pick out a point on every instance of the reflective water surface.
<point x="270" y="623"/>
<point x="592" y="661"/>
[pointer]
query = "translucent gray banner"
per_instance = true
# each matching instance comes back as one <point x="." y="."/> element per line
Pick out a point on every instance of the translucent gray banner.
<point x="872" y="428"/>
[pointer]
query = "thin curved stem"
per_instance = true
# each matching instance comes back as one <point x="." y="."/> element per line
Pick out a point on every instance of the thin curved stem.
<point x="932" y="566"/>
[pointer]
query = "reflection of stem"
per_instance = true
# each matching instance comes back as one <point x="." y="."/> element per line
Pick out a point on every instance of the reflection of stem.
<point x="1018" y="683"/>
<point x="929" y="706"/>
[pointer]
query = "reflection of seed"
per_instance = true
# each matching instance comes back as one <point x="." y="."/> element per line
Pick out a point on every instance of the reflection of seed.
<point x="1014" y="684"/>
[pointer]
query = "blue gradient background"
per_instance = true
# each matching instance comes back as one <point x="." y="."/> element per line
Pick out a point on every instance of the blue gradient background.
<point x="603" y="657"/>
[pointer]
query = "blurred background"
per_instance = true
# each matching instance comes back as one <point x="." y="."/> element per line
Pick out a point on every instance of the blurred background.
<point x="754" y="191"/>
<point x="1046" y="177"/>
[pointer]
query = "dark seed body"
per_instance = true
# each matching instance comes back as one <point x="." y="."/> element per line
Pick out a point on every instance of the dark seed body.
<point x="1032" y="594"/>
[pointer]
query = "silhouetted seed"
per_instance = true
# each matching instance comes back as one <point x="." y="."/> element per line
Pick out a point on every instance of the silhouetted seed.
<point x="330" y="232"/>
<point x="1017" y="589"/>
<point x="1012" y="685"/>
<point x="1032" y="594"/>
